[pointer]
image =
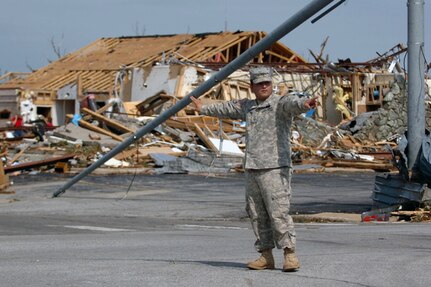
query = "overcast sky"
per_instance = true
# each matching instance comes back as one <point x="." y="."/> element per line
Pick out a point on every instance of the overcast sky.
<point x="357" y="29"/>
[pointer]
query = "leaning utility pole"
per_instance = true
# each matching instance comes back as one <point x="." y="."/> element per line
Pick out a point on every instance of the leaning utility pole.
<point x="416" y="80"/>
<point x="290" y="24"/>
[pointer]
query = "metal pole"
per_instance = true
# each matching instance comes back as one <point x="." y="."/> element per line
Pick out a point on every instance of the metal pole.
<point x="416" y="81"/>
<point x="290" y="24"/>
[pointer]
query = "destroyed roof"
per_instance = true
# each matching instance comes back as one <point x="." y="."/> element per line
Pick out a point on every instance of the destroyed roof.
<point x="94" y="66"/>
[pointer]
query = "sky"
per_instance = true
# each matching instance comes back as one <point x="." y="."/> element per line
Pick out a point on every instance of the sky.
<point x="358" y="29"/>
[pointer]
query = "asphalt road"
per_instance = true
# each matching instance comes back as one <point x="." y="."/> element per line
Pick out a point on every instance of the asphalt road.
<point x="187" y="230"/>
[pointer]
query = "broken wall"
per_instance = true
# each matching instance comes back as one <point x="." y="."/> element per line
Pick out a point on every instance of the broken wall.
<point x="149" y="82"/>
<point x="66" y="103"/>
<point x="391" y="118"/>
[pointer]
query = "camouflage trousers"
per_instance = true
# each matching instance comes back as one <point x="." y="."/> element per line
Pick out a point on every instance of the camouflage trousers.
<point x="268" y="194"/>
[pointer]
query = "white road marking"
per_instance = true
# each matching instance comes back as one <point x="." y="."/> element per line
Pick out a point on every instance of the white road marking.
<point x="96" y="228"/>
<point x="325" y="224"/>
<point x="191" y="226"/>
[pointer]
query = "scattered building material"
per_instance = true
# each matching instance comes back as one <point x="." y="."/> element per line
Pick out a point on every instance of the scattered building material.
<point x="4" y="179"/>
<point x="39" y="163"/>
<point x="109" y="122"/>
<point x="95" y="128"/>
<point x="112" y="99"/>
<point x="148" y="106"/>
<point x="377" y="166"/>
<point x="392" y="189"/>
<point x="379" y="214"/>
<point x="62" y="167"/>
<point x="419" y="215"/>
<point x="133" y="67"/>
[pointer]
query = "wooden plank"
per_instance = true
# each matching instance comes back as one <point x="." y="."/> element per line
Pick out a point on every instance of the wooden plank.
<point x="108" y="122"/>
<point x="225" y="136"/>
<point x="18" y="155"/>
<point x="159" y="149"/>
<point x="96" y="129"/>
<point x="100" y="111"/>
<point x="4" y="179"/>
<point x="127" y="154"/>
<point x="180" y="82"/>
<point x="272" y="53"/>
<point x="204" y="138"/>
<point x="183" y="124"/>
<point x="146" y="107"/>
<point x="186" y="125"/>
<point x="209" y="132"/>
<point x="411" y="213"/>
<point x="105" y="108"/>
<point x="38" y="163"/>
<point x="359" y="165"/>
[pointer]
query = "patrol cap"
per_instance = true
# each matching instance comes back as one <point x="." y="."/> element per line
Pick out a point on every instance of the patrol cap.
<point x="260" y="74"/>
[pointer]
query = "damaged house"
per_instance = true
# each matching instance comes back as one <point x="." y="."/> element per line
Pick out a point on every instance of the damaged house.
<point x="131" y="69"/>
<point x="363" y="106"/>
<point x="137" y="75"/>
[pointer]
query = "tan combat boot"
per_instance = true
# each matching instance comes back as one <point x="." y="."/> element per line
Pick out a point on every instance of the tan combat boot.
<point x="291" y="262"/>
<point x="265" y="261"/>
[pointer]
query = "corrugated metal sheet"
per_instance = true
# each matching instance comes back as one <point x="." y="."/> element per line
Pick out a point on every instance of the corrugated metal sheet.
<point x="392" y="189"/>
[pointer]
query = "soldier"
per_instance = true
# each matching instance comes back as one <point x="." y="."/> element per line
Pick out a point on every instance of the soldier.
<point x="268" y="165"/>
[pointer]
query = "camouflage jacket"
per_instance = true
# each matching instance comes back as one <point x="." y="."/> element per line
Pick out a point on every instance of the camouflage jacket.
<point x="268" y="127"/>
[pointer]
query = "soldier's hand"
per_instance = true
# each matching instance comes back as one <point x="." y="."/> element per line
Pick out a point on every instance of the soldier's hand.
<point x="197" y="103"/>
<point x="311" y="103"/>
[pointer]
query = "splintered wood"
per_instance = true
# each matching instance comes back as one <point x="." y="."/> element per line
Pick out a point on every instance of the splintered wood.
<point x="4" y="179"/>
<point x="419" y="215"/>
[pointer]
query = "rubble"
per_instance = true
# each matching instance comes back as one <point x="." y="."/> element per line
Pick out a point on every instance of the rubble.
<point x="97" y="104"/>
<point x="194" y="143"/>
<point x="418" y="215"/>
<point x="389" y="121"/>
<point x="92" y="133"/>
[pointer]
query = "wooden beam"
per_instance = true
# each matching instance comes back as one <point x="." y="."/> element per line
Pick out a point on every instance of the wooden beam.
<point x="4" y="179"/>
<point x="204" y="138"/>
<point x="184" y="125"/>
<point x="278" y="55"/>
<point x="105" y="108"/>
<point x="37" y="163"/>
<point x="96" y="129"/>
<point x="18" y="155"/>
<point x="100" y="111"/>
<point x="108" y="122"/>
<point x="360" y="164"/>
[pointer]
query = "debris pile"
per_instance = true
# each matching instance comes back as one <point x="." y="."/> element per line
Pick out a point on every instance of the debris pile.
<point x="190" y="142"/>
<point x="417" y="215"/>
<point x="387" y="122"/>
<point x="72" y="112"/>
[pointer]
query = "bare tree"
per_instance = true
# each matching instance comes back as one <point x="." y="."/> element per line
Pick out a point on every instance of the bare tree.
<point x="29" y="67"/>
<point x="57" y="48"/>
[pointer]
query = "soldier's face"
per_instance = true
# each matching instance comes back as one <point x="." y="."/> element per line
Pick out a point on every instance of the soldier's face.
<point x="262" y="90"/>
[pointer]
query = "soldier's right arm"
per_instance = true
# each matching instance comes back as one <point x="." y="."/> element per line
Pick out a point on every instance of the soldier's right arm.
<point x="235" y="109"/>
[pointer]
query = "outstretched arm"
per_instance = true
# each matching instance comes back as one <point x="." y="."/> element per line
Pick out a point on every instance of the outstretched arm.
<point x="295" y="105"/>
<point x="231" y="109"/>
<point x="197" y="103"/>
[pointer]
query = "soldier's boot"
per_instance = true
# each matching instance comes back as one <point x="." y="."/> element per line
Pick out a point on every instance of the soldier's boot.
<point x="265" y="261"/>
<point x="291" y="262"/>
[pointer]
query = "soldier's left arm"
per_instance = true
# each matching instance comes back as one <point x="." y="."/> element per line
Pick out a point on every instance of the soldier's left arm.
<point x="295" y="105"/>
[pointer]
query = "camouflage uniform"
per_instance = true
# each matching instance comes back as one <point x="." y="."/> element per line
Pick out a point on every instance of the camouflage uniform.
<point x="268" y="163"/>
